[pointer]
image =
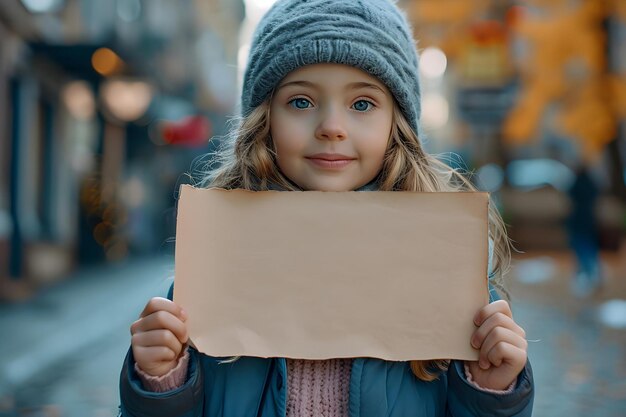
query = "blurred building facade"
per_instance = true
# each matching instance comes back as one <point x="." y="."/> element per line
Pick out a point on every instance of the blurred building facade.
<point x="102" y="107"/>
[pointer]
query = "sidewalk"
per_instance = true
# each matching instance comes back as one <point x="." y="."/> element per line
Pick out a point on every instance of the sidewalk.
<point x="62" y="351"/>
<point x="577" y="346"/>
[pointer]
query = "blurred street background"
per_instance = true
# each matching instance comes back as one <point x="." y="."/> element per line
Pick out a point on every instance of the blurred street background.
<point x="106" y="106"/>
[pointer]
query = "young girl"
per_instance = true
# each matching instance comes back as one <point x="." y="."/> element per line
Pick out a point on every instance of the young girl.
<point x="331" y="102"/>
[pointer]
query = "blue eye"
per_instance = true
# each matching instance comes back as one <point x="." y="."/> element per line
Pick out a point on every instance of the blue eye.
<point x="300" y="103"/>
<point x="362" y="105"/>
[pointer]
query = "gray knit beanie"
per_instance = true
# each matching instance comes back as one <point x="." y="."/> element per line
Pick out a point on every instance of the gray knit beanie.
<point x="372" y="35"/>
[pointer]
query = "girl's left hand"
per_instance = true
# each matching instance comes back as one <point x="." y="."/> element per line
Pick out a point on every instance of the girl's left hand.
<point x="503" y="347"/>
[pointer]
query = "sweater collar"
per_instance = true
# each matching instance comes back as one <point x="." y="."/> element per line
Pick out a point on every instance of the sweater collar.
<point x="370" y="186"/>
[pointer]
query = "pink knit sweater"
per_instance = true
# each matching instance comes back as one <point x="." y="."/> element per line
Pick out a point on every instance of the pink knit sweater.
<point x="318" y="388"/>
<point x="314" y="388"/>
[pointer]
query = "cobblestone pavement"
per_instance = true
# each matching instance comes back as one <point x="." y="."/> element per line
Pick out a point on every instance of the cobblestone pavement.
<point x="578" y="345"/>
<point x="68" y="343"/>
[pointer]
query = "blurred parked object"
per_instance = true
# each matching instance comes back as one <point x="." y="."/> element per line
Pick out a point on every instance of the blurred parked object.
<point x="536" y="202"/>
<point x="537" y="217"/>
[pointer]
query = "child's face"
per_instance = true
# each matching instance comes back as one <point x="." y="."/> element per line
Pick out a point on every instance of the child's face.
<point x="330" y="124"/>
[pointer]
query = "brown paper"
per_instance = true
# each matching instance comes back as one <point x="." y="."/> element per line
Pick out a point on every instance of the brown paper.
<point x="318" y="275"/>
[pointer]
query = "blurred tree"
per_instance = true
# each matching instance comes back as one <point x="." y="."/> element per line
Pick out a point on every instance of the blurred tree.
<point x="565" y="69"/>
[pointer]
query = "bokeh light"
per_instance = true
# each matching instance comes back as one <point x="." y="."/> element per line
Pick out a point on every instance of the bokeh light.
<point x="79" y="100"/>
<point x="42" y="6"/>
<point x="106" y="62"/>
<point x="433" y="62"/>
<point x="435" y="111"/>
<point x="126" y="100"/>
<point x="490" y="177"/>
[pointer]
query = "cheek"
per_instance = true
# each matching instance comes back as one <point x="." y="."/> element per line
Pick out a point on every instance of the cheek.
<point x="288" y="134"/>
<point x="375" y="139"/>
<point x="377" y="154"/>
<point x="284" y="144"/>
<point x="284" y="137"/>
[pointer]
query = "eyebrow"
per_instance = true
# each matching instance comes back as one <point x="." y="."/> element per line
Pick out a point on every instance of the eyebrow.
<point x="351" y="86"/>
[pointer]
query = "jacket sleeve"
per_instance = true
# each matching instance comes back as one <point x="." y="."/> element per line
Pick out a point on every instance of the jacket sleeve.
<point x="185" y="401"/>
<point x="465" y="400"/>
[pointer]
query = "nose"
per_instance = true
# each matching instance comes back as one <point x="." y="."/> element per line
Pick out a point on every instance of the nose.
<point x="331" y="126"/>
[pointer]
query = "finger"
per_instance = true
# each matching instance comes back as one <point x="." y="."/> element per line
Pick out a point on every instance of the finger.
<point x="161" y="320"/>
<point x="496" y="336"/>
<point x="148" y="323"/>
<point x="147" y="356"/>
<point x="502" y="334"/>
<point x="504" y="352"/>
<point x="500" y="306"/>
<point x="496" y="320"/>
<point x="163" y="304"/>
<point x="158" y="338"/>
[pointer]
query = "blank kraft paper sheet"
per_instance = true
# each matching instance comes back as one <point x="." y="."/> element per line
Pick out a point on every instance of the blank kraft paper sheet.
<point x="318" y="275"/>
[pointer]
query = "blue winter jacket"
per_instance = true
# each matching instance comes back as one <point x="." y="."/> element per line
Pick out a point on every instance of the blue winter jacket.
<point x="257" y="387"/>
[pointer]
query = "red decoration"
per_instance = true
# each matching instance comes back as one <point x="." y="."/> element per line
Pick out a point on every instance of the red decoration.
<point x="192" y="131"/>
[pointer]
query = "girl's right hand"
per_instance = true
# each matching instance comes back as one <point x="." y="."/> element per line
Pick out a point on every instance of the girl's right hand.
<point x="158" y="337"/>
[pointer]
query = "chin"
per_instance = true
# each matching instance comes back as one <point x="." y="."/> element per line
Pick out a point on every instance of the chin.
<point x="332" y="187"/>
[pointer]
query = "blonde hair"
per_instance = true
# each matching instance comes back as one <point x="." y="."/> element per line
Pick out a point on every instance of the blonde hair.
<point x="248" y="161"/>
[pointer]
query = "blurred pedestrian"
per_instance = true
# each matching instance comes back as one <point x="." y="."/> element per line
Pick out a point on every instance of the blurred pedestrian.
<point x="583" y="235"/>
<point x="330" y="102"/>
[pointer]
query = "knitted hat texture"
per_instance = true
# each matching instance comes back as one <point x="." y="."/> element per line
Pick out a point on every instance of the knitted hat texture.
<point x="372" y="35"/>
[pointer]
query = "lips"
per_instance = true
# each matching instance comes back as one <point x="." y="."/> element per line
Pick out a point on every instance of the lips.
<point x="330" y="160"/>
<point x="331" y="157"/>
